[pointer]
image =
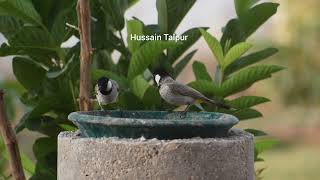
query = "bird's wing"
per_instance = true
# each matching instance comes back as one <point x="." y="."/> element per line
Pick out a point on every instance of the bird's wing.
<point x="185" y="90"/>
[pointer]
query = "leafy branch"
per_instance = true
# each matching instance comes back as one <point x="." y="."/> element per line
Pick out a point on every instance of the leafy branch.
<point x="50" y="73"/>
<point x="84" y="25"/>
<point x="11" y="142"/>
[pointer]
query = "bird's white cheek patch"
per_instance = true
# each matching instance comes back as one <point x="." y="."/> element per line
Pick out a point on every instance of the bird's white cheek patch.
<point x="109" y="86"/>
<point x="157" y="79"/>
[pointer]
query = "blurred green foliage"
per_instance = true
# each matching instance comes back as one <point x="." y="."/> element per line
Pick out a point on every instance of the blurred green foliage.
<point x="49" y="73"/>
<point x="235" y="71"/>
<point x="298" y="38"/>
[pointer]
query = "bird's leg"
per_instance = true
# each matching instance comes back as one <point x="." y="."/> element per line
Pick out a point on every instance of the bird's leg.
<point x="105" y="111"/>
<point x="187" y="108"/>
<point x="120" y="111"/>
<point x="184" y="113"/>
<point x="102" y="109"/>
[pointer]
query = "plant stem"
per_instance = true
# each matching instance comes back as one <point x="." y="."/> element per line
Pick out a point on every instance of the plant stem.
<point x="11" y="142"/>
<point x="121" y="37"/>
<point x="84" y="19"/>
<point x="122" y="43"/>
<point x="125" y="52"/>
<point x="221" y="78"/>
<point x="72" y="92"/>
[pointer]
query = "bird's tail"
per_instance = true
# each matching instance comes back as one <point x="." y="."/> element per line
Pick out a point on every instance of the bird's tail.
<point x="217" y="103"/>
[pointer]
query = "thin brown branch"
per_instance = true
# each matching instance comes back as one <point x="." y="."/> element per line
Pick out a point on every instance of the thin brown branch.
<point x="10" y="142"/>
<point x="84" y="19"/>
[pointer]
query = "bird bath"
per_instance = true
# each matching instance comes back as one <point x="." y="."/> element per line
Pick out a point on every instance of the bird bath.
<point x="154" y="145"/>
<point x="153" y="124"/>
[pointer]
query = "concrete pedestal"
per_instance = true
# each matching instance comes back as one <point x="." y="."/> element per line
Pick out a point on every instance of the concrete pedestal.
<point x="227" y="158"/>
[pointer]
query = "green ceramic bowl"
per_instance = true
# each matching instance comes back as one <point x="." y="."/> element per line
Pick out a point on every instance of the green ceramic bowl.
<point x="152" y="124"/>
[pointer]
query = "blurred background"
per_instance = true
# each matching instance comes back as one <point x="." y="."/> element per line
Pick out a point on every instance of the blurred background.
<point x="292" y="116"/>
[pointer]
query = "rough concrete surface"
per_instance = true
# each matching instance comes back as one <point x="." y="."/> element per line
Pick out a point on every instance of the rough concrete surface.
<point x="229" y="158"/>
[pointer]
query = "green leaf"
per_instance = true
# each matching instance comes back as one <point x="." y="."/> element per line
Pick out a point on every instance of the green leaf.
<point x="245" y="78"/>
<point x="59" y="30"/>
<point x="257" y="16"/>
<point x="146" y="55"/>
<point x="151" y="29"/>
<point x="246" y="114"/>
<point x="134" y="27"/>
<point x="214" y="45"/>
<point x="33" y="38"/>
<point x="132" y="2"/>
<point x="235" y="52"/>
<point x="28" y="73"/>
<point x="242" y="6"/>
<point x="151" y="98"/>
<point x="67" y="127"/>
<point x="9" y="26"/>
<point x="183" y="63"/>
<point x="114" y="11"/>
<point x="129" y="101"/>
<point x="34" y="42"/>
<point x="256" y="132"/>
<point x="208" y="88"/>
<point x="45" y="104"/>
<point x="21" y="124"/>
<point x="103" y="32"/>
<point x="67" y="68"/>
<point x="43" y="173"/>
<point x="44" y="146"/>
<point x="13" y="89"/>
<point x="247" y="101"/>
<point x="263" y="145"/>
<point x="103" y="60"/>
<point x="238" y="30"/>
<point x="45" y="151"/>
<point x="171" y="13"/>
<point x="139" y="86"/>
<point x="98" y="73"/>
<point x="50" y="9"/>
<point x="44" y="124"/>
<point x="22" y="9"/>
<point x="200" y="71"/>
<point x="162" y="62"/>
<point x="193" y="36"/>
<point x="249" y="60"/>
<point x="147" y="75"/>
<point x="27" y="164"/>
<point x="233" y="33"/>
